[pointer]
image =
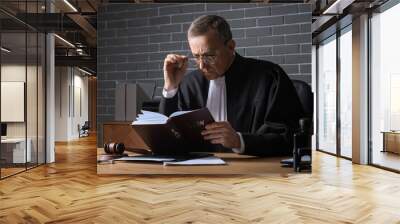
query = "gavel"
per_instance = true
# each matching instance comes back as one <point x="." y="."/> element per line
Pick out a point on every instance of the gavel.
<point x="118" y="148"/>
<point x="114" y="150"/>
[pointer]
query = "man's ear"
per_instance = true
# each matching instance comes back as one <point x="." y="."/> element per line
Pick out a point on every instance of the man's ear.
<point x="231" y="45"/>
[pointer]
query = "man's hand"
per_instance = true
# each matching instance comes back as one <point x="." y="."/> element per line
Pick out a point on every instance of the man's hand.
<point x="222" y="133"/>
<point x="174" y="69"/>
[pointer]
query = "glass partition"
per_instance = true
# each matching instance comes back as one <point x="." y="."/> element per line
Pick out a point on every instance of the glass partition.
<point x="22" y="88"/>
<point x="346" y="92"/>
<point x="327" y="95"/>
<point x="13" y="94"/>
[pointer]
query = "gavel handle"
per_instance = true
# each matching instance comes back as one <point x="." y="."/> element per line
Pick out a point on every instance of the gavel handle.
<point x="138" y="150"/>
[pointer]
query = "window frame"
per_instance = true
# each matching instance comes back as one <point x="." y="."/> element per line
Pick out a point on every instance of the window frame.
<point x="381" y="9"/>
<point x="331" y="31"/>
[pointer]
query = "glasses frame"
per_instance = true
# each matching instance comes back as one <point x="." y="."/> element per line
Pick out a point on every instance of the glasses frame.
<point x="208" y="59"/>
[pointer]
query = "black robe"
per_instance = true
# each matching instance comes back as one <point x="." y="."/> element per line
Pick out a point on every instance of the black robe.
<point x="262" y="104"/>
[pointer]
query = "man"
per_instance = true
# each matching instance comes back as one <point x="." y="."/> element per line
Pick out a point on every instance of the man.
<point x="254" y="103"/>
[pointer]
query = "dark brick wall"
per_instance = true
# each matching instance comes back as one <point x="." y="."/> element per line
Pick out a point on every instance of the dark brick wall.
<point x="133" y="40"/>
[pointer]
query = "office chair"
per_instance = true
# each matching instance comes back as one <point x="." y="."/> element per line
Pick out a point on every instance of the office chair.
<point x="151" y="105"/>
<point x="302" y="138"/>
<point x="306" y="97"/>
<point x="84" y="130"/>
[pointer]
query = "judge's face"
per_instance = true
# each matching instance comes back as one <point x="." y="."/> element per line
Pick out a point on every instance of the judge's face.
<point x="213" y="57"/>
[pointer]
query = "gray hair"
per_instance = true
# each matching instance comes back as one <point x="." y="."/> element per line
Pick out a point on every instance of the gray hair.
<point x="203" y="24"/>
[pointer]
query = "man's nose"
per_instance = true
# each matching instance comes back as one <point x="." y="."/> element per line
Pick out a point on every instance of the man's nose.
<point x="201" y="64"/>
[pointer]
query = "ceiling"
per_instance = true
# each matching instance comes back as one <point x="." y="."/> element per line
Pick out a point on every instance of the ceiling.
<point x="76" y="22"/>
<point x="73" y="20"/>
<point x="332" y="15"/>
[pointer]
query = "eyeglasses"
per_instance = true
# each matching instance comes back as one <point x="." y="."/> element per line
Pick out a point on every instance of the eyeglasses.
<point x="206" y="59"/>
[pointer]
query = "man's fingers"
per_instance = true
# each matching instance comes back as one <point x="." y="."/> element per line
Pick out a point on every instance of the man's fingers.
<point x="218" y="141"/>
<point x="176" y="56"/>
<point x="184" y="64"/>
<point x="169" y="61"/>
<point x="210" y="131"/>
<point x="216" y="125"/>
<point x="181" y="57"/>
<point x="215" y="130"/>
<point x="176" y="59"/>
<point x="214" y="136"/>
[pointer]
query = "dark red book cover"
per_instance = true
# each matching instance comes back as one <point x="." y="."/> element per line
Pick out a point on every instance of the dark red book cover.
<point x="181" y="134"/>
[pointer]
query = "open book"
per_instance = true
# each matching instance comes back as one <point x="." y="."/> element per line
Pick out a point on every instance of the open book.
<point x="179" y="133"/>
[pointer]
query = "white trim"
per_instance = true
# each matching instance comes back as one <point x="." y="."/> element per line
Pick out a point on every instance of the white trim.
<point x="360" y="90"/>
<point x="50" y="99"/>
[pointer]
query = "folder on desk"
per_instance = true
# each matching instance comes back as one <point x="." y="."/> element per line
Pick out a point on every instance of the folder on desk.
<point x="179" y="133"/>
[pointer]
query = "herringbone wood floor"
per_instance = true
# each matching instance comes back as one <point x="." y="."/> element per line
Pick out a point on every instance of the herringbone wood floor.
<point x="69" y="191"/>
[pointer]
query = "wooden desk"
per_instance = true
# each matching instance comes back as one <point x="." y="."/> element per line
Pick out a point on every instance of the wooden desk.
<point x="236" y="164"/>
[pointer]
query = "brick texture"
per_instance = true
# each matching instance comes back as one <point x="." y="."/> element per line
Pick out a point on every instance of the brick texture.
<point x="133" y="40"/>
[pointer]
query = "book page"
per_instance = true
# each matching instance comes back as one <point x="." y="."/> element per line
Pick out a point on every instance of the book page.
<point x="149" y="117"/>
<point x="177" y="113"/>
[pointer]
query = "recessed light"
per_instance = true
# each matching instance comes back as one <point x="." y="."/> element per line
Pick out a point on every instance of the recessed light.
<point x="70" y="5"/>
<point x="337" y="7"/>
<point x="65" y="41"/>
<point x="5" y="50"/>
<point x="84" y="71"/>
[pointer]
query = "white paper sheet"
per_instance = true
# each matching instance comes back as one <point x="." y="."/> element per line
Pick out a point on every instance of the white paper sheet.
<point x="145" y="158"/>
<point x="211" y="160"/>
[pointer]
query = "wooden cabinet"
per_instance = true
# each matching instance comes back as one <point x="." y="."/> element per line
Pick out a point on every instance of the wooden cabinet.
<point x="391" y="142"/>
<point x="122" y="132"/>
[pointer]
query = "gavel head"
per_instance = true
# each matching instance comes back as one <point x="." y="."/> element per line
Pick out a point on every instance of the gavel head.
<point x="114" y="148"/>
